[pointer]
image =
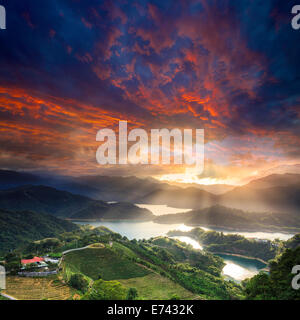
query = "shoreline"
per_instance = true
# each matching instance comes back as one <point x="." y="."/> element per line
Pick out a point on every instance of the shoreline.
<point x="223" y="228"/>
<point x="241" y="256"/>
<point x="230" y="254"/>
<point x="214" y="227"/>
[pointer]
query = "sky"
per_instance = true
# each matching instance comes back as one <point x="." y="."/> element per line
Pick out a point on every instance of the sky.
<point x="69" y="68"/>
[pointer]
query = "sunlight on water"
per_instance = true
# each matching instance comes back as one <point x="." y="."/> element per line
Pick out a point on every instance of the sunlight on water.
<point x="159" y="210"/>
<point x="236" y="268"/>
<point x="137" y="229"/>
<point x="183" y="228"/>
<point x="195" y="244"/>
<point x="237" y="272"/>
<point x="257" y="235"/>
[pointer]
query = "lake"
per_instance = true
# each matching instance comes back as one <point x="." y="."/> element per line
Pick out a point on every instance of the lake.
<point x="160" y="210"/>
<point x="138" y="230"/>
<point x="240" y="268"/>
<point x="236" y="267"/>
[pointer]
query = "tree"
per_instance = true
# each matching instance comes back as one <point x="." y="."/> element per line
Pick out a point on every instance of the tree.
<point x="12" y="257"/>
<point x="78" y="282"/>
<point x="132" y="294"/>
<point x="13" y="267"/>
<point x="276" y="285"/>
<point x="12" y="263"/>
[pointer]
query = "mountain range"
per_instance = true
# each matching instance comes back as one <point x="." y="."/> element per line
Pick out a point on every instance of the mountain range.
<point x="63" y="204"/>
<point x="276" y="192"/>
<point x="270" y="200"/>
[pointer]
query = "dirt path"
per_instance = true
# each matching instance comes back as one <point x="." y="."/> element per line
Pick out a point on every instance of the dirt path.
<point x="7" y="296"/>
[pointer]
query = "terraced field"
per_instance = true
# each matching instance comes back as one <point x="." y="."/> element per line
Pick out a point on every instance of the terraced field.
<point x="49" y="288"/>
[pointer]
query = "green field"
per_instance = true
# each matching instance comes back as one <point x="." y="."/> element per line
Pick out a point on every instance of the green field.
<point x="156" y="287"/>
<point x="115" y="264"/>
<point x="105" y="262"/>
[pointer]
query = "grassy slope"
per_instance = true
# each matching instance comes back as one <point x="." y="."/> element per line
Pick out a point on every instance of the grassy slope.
<point x="114" y="264"/>
<point x="167" y="265"/>
<point x="104" y="261"/>
<point x="156" y="287"/>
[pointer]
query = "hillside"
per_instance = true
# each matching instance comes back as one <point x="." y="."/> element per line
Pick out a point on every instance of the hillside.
<point x="180" y="198"/>
<point x="12" y="179"/>
<point x="277" y="284"/>
<point x="114" y="211"/>
<point x="114" y="188"/>
<point x="234" y="219"/>
<point x="275" y="180"/>
<point x="67" y="205"/>
<point x="159" y="268"/>
<point x="268" y="203"/>
<point x="273" y="193"/>
<point x="147" y="264"/>
<point x="275" y="199"/>
<point x="43" y="199"/>
<point x="19" y="228"/>
<point x="232" y="244"/>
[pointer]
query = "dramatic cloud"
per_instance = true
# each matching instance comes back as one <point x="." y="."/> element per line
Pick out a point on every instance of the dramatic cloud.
<point x="70" y="68"/>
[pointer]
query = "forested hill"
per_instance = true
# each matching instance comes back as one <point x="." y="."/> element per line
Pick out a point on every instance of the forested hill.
<point x="217" y="242"/>
<point x="278" y="284"/>
<point x="19" y="228"/>
<point x="229" y="218"/>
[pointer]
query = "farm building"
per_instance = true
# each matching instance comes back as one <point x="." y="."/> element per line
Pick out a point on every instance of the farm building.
<point x="35" y="260"/>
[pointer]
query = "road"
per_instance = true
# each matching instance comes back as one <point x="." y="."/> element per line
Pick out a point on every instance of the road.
<point x="7" y="296"/>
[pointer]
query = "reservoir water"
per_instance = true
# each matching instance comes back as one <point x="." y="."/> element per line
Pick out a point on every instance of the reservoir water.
<point x="236" y="268"/>
<point x="138" y="230"/>
<point x="240" y="268"/>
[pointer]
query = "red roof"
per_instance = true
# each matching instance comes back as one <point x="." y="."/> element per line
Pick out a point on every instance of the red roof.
<point x="34" y="260"/>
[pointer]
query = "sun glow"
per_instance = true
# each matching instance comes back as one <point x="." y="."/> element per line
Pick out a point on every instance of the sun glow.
<point x="189" y="178"/>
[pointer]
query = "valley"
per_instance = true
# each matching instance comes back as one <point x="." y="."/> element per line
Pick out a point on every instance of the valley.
<point x="180" y="237"/>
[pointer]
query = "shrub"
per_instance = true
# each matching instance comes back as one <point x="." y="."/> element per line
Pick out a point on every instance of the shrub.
<point x="78" y="282"/>
<point x="132" y="294"/>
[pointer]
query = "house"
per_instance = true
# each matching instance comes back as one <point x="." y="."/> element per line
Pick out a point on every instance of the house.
<point x="35" y="260"/>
